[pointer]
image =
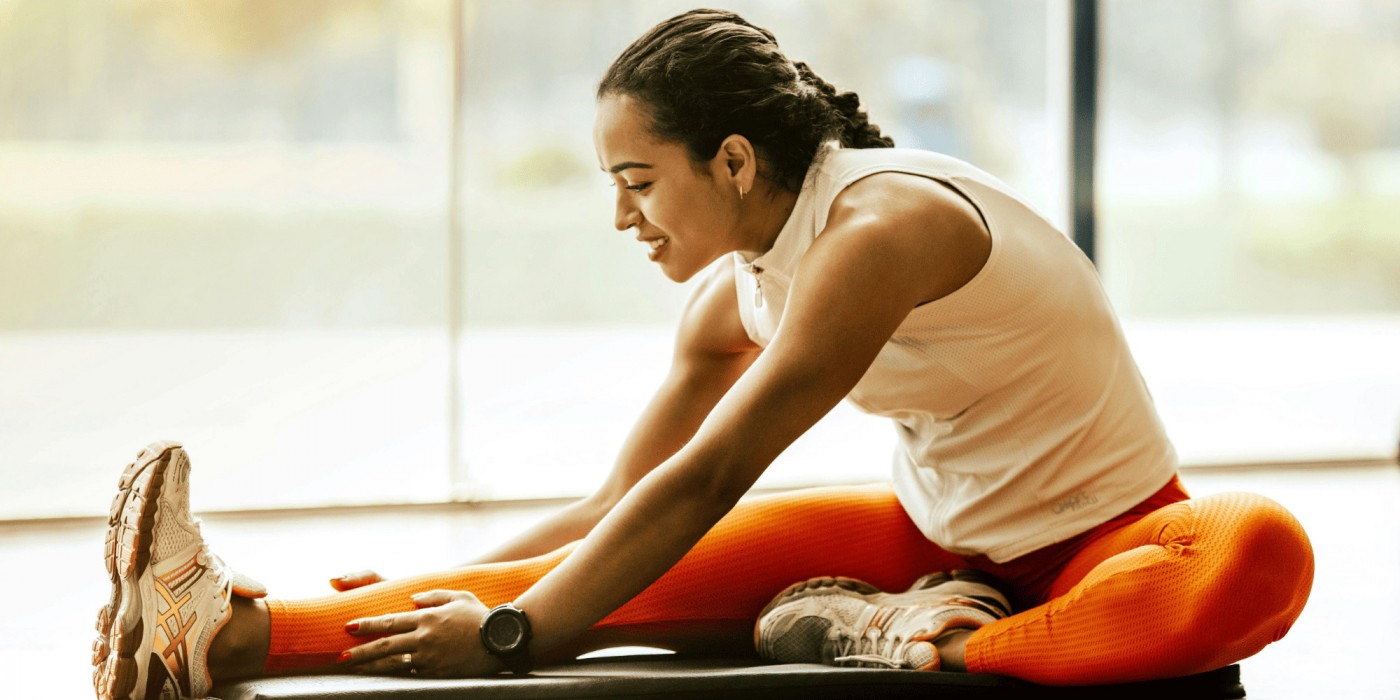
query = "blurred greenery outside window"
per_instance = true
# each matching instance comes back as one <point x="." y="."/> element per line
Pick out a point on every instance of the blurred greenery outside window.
<point x="228" y="222"/>
<point x="1249" y="194"/>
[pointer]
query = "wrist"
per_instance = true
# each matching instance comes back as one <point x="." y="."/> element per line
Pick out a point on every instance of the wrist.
<point x="506" y="634"/>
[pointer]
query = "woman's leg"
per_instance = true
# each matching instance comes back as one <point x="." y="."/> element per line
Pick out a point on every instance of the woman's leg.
<point x="716" y="590"/>
<point x="1191" y="587"/>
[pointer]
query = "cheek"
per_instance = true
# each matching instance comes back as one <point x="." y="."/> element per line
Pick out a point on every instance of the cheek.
<point x="674" y="215"/>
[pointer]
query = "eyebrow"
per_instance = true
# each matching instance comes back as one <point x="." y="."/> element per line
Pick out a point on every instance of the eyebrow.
<point x="629" y="164"/>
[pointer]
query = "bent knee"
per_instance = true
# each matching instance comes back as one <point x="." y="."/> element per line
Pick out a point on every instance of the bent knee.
<point x="1263" y="563"/>
<point x="1256" y="529"/>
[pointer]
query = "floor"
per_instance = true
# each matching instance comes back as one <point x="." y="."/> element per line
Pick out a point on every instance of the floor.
<point x="1344" y="646"/>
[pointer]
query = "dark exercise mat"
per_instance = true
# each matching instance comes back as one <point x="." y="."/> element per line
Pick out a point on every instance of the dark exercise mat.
<point x="673" y="678"/>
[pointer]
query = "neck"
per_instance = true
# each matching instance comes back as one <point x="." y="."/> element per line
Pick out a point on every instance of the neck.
<point x="768" y="208"/>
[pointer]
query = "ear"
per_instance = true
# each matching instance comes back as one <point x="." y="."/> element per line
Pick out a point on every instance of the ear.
<point x="736" y="163"/>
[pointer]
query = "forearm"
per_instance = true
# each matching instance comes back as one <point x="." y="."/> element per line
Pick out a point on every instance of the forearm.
<point x="569" y="524"/>
<point x="669" y="510"/>
<point x="668" y="422"/>
<point x="648" y="532"/>
<point x="657" y="436"/>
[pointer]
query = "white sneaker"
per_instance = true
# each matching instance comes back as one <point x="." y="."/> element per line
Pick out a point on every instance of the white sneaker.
<point x="170" y="595"/>
<point x="845" y="622"/>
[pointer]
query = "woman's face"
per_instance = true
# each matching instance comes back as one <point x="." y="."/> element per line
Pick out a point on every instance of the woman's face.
<point x="682" y="213"/>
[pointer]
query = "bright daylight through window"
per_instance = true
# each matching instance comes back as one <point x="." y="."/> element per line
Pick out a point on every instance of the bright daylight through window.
<point x="235" y="229"/>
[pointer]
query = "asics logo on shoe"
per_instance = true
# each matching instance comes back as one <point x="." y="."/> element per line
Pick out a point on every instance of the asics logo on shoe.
<point x="173" y="622"/>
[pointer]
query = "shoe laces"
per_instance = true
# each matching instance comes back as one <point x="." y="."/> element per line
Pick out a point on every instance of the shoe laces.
<point x="873" y="647"/>
<point x="215" y="570"/>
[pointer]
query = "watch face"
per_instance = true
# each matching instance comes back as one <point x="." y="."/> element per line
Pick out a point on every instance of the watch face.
<point x="504" y="632"/>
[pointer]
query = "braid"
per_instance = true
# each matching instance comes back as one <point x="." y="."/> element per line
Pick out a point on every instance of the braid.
<point x="707" y="74"/>
<point x="854" y="123"/>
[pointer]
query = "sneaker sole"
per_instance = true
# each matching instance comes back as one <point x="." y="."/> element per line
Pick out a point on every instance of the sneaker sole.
<point x="813" y="586"/>
<point x="821" y="586"/>
<point x="127" y="553"/>
<point x="857" y="588"/>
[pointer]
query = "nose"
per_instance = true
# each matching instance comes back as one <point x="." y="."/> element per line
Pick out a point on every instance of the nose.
<point x="626" y="215"/>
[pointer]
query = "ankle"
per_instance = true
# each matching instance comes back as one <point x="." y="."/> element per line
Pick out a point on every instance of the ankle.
<point x="239" y="650"/>
<point x="952" y="649"/>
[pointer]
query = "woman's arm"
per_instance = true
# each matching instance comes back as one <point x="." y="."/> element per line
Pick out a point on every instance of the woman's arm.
<point x="891" y="244"/>
<point x="712" y="350"/>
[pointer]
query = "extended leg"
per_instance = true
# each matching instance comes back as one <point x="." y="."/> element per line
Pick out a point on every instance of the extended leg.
<point x="715" y="591"/>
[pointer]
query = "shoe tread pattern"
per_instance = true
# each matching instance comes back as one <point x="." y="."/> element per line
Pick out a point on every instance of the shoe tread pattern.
<point x="126" y="554"/>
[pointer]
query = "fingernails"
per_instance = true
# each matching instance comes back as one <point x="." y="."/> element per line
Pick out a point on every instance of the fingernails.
<point x="352" y="627"/>
<point x="344" y="656"/>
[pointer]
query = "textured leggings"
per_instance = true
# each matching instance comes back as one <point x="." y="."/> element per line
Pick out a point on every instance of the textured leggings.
<point x="1169" y="588"/>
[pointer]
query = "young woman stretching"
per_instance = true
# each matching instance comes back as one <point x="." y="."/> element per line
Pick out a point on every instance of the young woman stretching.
<point x="910" y="283"/>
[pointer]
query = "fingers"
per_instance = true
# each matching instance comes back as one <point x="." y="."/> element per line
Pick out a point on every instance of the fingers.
<point x="441" y="635"/>
<point x="432" y="599"/>
<point x="383" y="656"/>
<point x="245" y="587"/>
<point x="355" y="580"/>
<point x="383" y="624"/>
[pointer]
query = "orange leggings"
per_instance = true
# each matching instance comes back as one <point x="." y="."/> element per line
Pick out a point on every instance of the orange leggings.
<point x="1169" y="588"/>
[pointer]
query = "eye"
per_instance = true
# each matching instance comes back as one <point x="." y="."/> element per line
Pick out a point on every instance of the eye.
<point x="639" y="187"/>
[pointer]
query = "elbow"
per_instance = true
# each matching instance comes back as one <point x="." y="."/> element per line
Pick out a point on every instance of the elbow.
<point x="717" y="486"/>
<point x="596" y="506"/>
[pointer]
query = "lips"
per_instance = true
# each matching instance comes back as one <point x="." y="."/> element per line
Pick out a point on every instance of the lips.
<point x="657" y="246"/>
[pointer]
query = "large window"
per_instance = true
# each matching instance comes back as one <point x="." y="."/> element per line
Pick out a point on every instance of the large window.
<point x="360" y="251"/>
<point x="223" y="222"/>
<point x="229" y="223"/>
<point x="1249" y="187"/>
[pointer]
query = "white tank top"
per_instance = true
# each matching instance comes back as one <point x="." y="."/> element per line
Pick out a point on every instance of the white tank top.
<point x="1022" y="418"/>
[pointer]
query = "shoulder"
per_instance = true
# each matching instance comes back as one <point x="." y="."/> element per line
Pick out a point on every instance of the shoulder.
<point x="904" y="200"/>
<point x="919" y="226"/>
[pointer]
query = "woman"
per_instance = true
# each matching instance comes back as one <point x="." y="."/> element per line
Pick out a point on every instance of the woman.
<point x="911" y="283"/>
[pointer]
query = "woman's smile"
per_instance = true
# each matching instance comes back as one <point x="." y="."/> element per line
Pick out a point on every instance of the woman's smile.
<point x="657" y="245"/>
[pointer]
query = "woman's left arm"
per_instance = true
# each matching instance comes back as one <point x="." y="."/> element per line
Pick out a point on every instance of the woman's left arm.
<point x="892" y="243"/>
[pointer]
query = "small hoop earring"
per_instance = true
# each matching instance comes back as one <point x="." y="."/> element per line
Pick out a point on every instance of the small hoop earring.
<point x="741" y="194"/>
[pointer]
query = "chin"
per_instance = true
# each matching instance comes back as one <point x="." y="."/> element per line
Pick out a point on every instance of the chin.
<point x="678" y="274"/>
<point x="681" y="271"/>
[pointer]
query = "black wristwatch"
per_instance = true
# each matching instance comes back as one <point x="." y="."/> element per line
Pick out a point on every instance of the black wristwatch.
<point x="505" y="632"/>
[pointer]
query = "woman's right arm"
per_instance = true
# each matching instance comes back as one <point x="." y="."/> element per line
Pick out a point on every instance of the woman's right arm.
<point x="712" y="351"/>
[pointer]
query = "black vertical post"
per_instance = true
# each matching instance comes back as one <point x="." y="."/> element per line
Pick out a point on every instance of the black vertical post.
<point x="1083" y="120"/>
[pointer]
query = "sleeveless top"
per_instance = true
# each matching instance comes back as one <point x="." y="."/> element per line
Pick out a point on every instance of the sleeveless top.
<point x="1021" y="416"/>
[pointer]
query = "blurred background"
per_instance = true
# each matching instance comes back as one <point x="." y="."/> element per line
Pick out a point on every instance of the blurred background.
<point x="265" y="229"/>
<point x="359" y="252"/>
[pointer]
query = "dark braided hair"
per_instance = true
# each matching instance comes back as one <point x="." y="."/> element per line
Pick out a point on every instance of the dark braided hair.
<point x="707" y="74"/>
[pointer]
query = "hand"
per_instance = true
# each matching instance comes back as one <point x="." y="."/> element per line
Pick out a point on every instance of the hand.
<point x="441" y="639"/>
<point x="355" y="580"/>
